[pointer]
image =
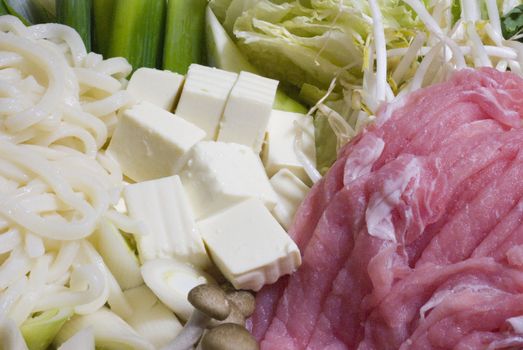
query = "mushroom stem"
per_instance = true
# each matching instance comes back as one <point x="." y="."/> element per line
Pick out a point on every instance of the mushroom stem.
<point x="191" y="332"/>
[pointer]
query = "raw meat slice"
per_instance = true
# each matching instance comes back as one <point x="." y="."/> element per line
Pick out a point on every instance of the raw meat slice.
<point x="413" y="239"/>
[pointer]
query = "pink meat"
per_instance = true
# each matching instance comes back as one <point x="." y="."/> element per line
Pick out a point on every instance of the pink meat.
<point x="414" y="238"/>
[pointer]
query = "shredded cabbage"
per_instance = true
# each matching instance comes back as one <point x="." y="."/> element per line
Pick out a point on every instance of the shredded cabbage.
<point x="375" y="50"/>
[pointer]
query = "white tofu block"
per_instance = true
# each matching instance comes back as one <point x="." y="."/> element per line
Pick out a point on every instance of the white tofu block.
<point x="220" y="174"/>
<point x="150" y="142"/>
<point x="170" y="229"/>
<point x="249" y="246"/>
<point x="248" y="111"/>
<point x="159" y="87"/>
<point x="279" y="152"/>
<point x="290" y="191"/>
<point x="204" y="96"/>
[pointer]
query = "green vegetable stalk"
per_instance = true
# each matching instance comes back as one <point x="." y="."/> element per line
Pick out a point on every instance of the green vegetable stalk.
<point x="102" y="22"/>
<point x="76" y="14"/>
<point x="136" y="32"/>
<point x="184" y="34"/>
<point x="3" y="9"/>
<point x="29" y="11"/>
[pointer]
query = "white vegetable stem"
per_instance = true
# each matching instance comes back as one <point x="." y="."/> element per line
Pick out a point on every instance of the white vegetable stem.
<point x="470" y="10"/>
<point x="434" y="28"/>
<point x="381" y="51"/>
<point x="309" y="168"/>
<point x="410" y="55"/>
<point x="493" y="14"/>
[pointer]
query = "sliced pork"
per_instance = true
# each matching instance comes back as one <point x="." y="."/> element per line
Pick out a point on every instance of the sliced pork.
<point x="414" y="238"/>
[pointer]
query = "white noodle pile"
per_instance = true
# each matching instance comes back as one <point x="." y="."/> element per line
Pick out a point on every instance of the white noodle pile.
<point x="58" y="106"/>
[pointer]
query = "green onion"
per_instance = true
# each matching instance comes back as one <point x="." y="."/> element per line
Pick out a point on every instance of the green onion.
<point x="76" y="14"/>
<point x="3" y="9"/>
<point x="184" y="34"/>
<point x="30" y="11"/>
<point x="102" y="21"/>
<point x="137" y="31"/>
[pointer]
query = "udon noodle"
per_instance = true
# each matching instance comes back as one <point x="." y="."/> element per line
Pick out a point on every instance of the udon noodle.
<point x="58" y="107"/>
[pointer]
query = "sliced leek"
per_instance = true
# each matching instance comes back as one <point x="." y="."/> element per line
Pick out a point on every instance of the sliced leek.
<point x="39" y="331"/>
<point x="151" y="318"/>
<point x="115" y="297"/>
<point x="29" y="11"/>
<point x="82" y="340"/>
<point x="171" y="282"/>
<point x="118" y="255"/>
<point x="137" y="31"/>
<point x="110" y="331"/>
<point x="184" y="34"/>
<point x="102" y="22"/>
<point x="3" y="9"/>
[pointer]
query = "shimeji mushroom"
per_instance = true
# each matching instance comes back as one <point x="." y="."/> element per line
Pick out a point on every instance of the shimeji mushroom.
<point x="210" y="302"/>
<point x="242" y="306"/>
<point x="235" y="316"/>
<point x="242" y="303"/>
<point x="243" y="300"/>
<point x="228" y="336"/>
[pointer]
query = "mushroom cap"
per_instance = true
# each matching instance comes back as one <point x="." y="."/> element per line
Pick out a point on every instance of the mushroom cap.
<point x="229" y="336"/>
<point x="211" y="300"/>
<point x="234" y="317"/>
<point x="244" y="300"/>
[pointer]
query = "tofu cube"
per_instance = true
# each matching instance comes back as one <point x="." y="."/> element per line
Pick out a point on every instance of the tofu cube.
<point x="220" y="174"/>
<point x="204" y="96"/>
<point x="249" y="246"/>
<point x="248" y="110"/>
<point x="150" y="142"/>
<point x="279" y="150"/>
<point x="162" y="207"/>
<point x="290" y="191"/>
<point x="159" y="87"/>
